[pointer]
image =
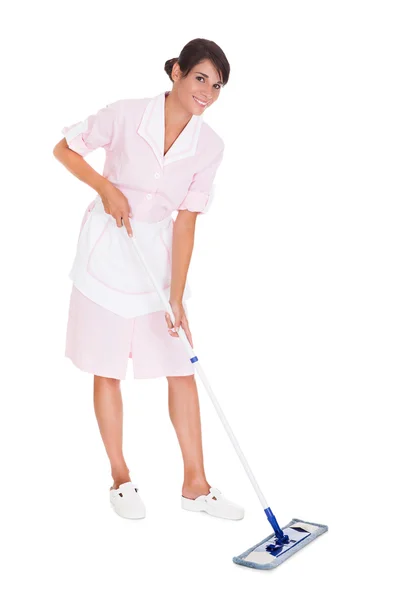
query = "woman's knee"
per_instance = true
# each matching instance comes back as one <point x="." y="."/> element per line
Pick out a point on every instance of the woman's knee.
<point x="106" y="381"/>
<point x="180" y="379"/>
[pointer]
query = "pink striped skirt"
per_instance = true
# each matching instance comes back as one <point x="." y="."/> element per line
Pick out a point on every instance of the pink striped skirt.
<point x="101" y="342"/>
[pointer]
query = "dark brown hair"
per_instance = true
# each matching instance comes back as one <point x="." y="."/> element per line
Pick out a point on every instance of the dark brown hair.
<point x="196" y="51"/>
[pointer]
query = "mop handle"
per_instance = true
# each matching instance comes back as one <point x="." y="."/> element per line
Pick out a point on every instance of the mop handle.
<point x="199" y="369"/>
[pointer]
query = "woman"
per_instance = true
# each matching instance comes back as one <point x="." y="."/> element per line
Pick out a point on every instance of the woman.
<point x="160" y="157"/>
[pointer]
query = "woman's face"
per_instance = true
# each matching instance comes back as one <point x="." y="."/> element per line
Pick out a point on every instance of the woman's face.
<point x="199" y="89"/>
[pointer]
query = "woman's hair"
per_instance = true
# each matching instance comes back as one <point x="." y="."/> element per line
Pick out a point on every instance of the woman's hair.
<point x="196" y="51"/>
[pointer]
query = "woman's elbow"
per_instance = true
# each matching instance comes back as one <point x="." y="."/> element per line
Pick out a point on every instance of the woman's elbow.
<point x="59" y="147"/>
<point x="186" y="220"/>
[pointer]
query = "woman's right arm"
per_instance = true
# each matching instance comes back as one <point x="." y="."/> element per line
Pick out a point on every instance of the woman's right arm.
<point x="114" y="201"/>
<point x="77" y="165"/>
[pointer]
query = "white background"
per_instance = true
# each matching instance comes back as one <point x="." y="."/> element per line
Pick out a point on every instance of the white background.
<point x="295" y="308"/>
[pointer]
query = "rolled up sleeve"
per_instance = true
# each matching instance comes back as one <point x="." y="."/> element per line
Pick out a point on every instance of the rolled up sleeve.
<point x="96" y="131"/>
<point x="202" y="188"/>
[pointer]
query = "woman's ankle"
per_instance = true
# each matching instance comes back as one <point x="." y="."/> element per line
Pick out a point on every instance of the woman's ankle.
<point x="120" y="476"/>
<point x="193" y="487"/>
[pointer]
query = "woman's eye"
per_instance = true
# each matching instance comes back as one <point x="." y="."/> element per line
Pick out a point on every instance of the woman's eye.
<point x="217" y="84"/>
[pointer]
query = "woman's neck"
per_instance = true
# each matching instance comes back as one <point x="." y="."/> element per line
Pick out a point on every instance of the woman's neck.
<point x="176" y="117"/>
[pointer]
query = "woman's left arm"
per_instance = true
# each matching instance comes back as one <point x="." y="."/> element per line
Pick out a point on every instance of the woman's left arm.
<point x="182" y="248"/>
<point x="197" y="201"/>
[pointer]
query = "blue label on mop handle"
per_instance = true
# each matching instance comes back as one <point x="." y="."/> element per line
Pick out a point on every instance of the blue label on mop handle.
<point x="194" y="359"/>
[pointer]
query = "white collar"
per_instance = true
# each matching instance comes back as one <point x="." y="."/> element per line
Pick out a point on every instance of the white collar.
<point x="152" y="129"/>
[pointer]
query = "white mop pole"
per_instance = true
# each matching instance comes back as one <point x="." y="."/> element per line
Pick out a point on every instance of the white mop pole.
<point x="199" y="369"/>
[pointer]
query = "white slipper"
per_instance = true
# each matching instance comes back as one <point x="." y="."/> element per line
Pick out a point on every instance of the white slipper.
<point x="215" y="504"/>
<point x="127" y="502"/>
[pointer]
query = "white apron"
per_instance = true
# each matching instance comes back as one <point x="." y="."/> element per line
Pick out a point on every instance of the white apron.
<point x="107" y="269"/>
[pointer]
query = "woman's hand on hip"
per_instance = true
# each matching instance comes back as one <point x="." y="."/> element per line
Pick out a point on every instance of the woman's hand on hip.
<point x="180" y="320"/>
<point x="117" y="205"/>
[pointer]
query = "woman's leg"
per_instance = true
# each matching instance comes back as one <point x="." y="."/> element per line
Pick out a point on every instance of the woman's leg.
<point x="109" y="413"/>
<point x="184" y="411"/>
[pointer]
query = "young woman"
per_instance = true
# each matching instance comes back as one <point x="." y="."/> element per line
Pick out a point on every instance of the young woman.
<point x="160" y="157"/>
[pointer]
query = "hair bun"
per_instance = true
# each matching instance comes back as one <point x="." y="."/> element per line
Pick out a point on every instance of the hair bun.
<point x="169" y="65"/>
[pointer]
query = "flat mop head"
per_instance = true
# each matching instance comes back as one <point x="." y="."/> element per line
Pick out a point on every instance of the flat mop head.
<point x="268" y="554"/>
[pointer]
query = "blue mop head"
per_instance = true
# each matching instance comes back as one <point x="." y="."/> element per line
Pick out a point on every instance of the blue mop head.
<point x="267" y="554"/>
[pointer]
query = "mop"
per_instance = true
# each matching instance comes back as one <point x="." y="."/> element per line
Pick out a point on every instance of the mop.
<point x="283" y="543"/>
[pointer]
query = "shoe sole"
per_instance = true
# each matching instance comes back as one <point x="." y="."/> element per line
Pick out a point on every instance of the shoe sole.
<point x="198" y="507"/>
<point x="124" y="516"/>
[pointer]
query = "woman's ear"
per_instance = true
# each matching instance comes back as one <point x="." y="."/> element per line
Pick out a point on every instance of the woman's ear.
<point x="176" y="72"/>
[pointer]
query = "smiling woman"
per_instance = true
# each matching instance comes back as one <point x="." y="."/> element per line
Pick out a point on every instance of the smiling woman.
<point x="204" y="70"/>
<point x="161" y="157"/>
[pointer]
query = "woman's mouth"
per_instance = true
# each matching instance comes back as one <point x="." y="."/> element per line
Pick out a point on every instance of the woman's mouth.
<point x="203" y="104"/>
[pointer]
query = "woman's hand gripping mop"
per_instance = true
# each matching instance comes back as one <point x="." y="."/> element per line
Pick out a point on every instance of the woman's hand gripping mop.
<point x="281" y="544"/>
